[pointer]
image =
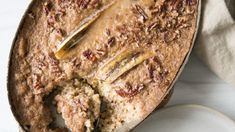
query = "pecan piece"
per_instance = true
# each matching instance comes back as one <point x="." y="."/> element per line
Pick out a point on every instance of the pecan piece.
<point x="60" y="32"/>
<point x="38" y="64"/>
<point x="100" y="52"/>
<point x="95" y="3"/>
<point x="88" y="54"/>
<point x="153" y="26"/>
<point x="82" y="4"/>
<point x="111" y="41"/>
<point x="47" y="7"/>
<point x="107" y="32"/>
<point x="141" y="11"/>
<point x="37" y="85"/>
<point x="51" y="19"/>
<point x="76" y="63"/>
<point x="151" y="71"/>
<point x="176" y="3"/>
<point x="130" y="91"/>
<point x="54" y="67"/>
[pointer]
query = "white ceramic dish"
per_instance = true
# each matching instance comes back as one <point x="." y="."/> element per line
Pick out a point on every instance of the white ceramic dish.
<point x="187" y="118"/>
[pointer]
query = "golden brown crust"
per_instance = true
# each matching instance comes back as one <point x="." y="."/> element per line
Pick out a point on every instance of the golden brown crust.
<point x="130" y="55"/>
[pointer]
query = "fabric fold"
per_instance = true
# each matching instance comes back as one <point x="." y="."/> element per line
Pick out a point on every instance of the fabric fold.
<point x="216" y="39"/>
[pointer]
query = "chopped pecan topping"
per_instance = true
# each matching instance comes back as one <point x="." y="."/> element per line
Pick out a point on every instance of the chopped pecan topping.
<point x="53" y="60"/>
<point x="54" y="66"/>
<point x="153" y="26"/>
<point x="108" y="32"/>
<point x="141" y="11"/>
<point x="76" y="63"/>
<point x="111" y="41"/>
<point x="88" y="54"/>
<point x="37" y="85"/>
<point x="176" y="3"/>
<point x="53" y="15"/>
<point x="41" y="65"/>
<point x="38" y="64"/>
<point x="163" y="74"/>
<point x="47" y="7"/>
<point x="36" y="81"/>
<point x="59" y="32"/>
<point x="151" y="71"/>
<point x="82" y="4"/>
<point x="167" y="37"/>
<point x="61" y="12"/>
<point x="51" y="19"/>
<point x="152" y="66"/>
<point x="130" y="91"/>
<point x="156" y="70"/>
<point x="122" y="29"/>
<point x="95" y="3"/>
<point x="100" y="52"/>
<point x="163" y="9"/>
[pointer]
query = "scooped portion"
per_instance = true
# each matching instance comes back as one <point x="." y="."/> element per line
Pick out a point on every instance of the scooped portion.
<point x="79" y="106"/>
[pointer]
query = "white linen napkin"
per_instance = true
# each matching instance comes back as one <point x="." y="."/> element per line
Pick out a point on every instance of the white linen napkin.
<point x="215" y="44"/>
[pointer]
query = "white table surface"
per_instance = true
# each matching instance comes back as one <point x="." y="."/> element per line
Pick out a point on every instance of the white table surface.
<point x="196" y="85"/>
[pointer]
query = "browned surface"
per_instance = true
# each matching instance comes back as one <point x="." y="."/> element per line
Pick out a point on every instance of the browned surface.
<point x="164" y="28"/>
